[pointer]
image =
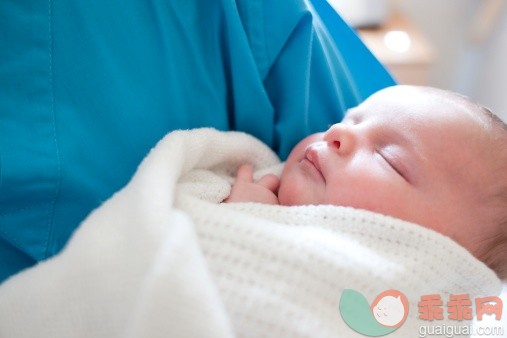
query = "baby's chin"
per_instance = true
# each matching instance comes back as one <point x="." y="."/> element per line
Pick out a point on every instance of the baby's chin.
<point x="294" y="192"/>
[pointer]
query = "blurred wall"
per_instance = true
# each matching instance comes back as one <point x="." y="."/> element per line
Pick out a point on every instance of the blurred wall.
<point x="490" y="85"/>
<point x="475" y="68"/>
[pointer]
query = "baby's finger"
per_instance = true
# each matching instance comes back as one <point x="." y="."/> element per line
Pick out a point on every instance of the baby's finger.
<point x="245" y="173"/>
<point x="270" y="181"/>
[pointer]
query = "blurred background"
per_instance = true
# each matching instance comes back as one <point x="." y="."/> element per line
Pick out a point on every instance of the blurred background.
<point x="460" y="45"/>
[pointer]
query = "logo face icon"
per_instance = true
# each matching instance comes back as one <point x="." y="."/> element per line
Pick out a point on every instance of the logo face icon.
<point x="390" y="308"/>
<point x="387" y="312"/>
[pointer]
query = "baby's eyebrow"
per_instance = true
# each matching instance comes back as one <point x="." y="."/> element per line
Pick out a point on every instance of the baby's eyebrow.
<point x="353" y="115"/>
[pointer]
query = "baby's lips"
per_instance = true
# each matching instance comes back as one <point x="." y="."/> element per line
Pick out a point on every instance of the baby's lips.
<point x="312" y="155"/>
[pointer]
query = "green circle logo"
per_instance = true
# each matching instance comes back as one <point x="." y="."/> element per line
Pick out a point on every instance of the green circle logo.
<point x="387" y="312"/>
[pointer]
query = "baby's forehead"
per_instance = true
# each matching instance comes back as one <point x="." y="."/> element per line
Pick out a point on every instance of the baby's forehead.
<point x="415" y="104"/>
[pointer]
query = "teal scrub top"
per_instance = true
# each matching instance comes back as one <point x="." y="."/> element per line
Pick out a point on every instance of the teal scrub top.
<point x="88" y="87"/>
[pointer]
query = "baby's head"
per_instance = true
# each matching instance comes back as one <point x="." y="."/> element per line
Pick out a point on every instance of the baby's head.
<point x="416" y="153"/>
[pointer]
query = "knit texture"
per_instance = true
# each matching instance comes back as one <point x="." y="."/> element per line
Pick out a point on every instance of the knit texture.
<point x="163" y="258"/>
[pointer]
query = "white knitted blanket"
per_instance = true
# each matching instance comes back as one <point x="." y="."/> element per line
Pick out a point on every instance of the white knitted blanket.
<point x="162" y="258"/>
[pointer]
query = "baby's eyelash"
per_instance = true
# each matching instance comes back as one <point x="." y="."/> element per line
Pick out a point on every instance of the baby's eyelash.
<point x="393" y="166"/>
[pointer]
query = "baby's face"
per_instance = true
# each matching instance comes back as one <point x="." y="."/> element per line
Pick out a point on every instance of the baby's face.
<point x="408" y="152"/>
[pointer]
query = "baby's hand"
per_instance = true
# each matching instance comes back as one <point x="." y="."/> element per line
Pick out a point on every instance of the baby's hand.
<point x="245" y="189"/>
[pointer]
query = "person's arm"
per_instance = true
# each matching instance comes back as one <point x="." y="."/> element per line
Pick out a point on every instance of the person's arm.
<point x="245" y="189"/>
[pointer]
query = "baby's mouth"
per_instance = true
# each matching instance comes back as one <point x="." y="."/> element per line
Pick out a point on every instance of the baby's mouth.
<point x="312" y="155"/>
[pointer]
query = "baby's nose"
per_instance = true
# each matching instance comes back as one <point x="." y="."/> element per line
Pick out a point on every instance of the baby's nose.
<point x="341" y="138"/>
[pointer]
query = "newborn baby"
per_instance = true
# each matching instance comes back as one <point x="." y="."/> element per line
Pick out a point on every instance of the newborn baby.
<point x="420" y="154"/>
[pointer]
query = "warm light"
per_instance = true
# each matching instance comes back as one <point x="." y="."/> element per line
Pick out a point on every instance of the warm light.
<point x="397" y="41"/>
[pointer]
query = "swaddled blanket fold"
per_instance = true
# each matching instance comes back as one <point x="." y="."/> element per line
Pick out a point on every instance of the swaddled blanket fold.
<point x="163" y="258"/>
